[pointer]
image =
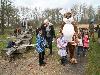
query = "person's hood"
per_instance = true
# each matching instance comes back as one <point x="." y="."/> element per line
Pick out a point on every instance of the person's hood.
<point x="86" y="36"/>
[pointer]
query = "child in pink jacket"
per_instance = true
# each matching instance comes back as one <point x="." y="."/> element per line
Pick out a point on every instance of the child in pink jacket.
<point x="85" y="44"/>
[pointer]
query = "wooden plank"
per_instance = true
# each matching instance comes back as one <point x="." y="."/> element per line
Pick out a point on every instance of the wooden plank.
<point x="10" y="50"/>
<point x="18" y="41"/>
<point x="25" y="45"/>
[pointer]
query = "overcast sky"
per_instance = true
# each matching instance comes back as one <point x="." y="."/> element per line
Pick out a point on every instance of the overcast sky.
<point x="54" y="3"/>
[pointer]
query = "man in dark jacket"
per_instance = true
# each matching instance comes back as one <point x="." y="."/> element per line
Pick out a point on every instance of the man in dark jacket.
<point x="91" y="29"/>
<point x="48" y="33"/>
<point x="98" y="32"/>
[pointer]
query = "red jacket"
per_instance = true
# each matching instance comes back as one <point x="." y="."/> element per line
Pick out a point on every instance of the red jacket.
<point x="86" y="41"/>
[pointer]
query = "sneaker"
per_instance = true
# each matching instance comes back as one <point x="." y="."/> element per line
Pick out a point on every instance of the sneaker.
<point x="41" y="64"/>
<point x="44" y="62"/>
<point x="64" y="64"/>
<point x="84" y="55"/>
<point x="78" y="55"/>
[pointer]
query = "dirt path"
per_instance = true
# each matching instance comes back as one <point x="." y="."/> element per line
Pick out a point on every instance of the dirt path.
<point x="28" y="65"/>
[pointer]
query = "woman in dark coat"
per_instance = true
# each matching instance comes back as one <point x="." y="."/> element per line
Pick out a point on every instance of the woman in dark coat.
<point x="98" y="32"/>
<point x="48" y="33"/>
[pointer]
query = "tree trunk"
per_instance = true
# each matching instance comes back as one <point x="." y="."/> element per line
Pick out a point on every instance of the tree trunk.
<point x="2" y="18"/>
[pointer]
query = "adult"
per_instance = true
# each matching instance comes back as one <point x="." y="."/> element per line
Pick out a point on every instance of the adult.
<point x="98" y="32"/>
<point x="68" y="30"/>
<point x="97" y="28"/>
<point x="48" y="33"/>
<point x="91" y="29"/>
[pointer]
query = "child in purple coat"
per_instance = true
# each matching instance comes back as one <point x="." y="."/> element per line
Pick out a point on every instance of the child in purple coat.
<point x="61" y="44"/>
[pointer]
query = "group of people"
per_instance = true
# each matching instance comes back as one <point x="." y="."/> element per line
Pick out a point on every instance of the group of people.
<point x="67" y="40"/>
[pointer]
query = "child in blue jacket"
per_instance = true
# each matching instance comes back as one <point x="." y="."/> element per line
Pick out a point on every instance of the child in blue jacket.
<point x="40" y="47"/>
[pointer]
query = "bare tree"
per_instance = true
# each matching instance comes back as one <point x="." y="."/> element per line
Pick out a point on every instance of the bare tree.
<point x="97" y="18"/>
<point x="91" y="13"/>
<point x="9" y="15"/>
<point x="2" y="16"/>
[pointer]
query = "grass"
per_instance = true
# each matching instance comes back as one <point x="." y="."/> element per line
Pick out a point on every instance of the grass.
<point x="2" y="43"/>
<point x="93" y="66"/>
<point x="34" y="39"/>
<point x="3" y="38"/>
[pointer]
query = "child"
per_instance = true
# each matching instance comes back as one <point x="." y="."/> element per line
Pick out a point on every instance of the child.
<point x="11" y="43"/>
<point x="80" y="45"/>
<point x="72" y="46"/>
<point x="61" y="44"/>
<point x="40" y="47"/>
<point x="85" y="43"/>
